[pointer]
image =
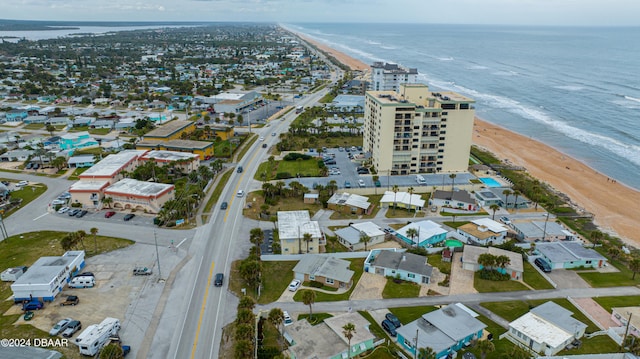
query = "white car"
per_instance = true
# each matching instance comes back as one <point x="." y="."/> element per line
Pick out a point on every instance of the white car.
<point x="56" y="202"/>
<point x="63" y="210"/>
<point x="60" y="326"/>
<point x="294" y="285"/>
<point x="287" y="318"/>
<point x="240" y="193"/>
<point x="261" y="138"/>
<point x="22" y="183"/>
<point x="361" y="183"/>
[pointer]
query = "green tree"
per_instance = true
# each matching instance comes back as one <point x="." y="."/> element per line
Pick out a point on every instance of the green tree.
<point x="59" y="163"/>
<point x="112" y="351"/>
<point x="453" y="181"/>
<point x="94" y="232"/>
<point x="51" y="129"/>
<point x="276" y="317"/>
<point x="517" y="352"/>
<point x="487" y="261"/>
<point x="256" y="236"/>
<point x="107" y="201"/>
<point x="413" y="233"/>
<point x="410" y="190"/>
<point x="246" y="302"/>
<point x="485" y="347"/>
<point x="364" y="238"/>
<point x="348" y="330"/>
<point x="244" y="331"/>
<point x="250" y="272"/>
<point x="307" y="237"/>
<point x="81" y="235"/>
<point x="308" y="298"/>
<point x="426" y="353"/>
<point x="395" y="190"/>
<point x="494" y="207"/>
<point x="634" y="265"/>
<point x="243" y="349"/>
<point x="506" y="194"/>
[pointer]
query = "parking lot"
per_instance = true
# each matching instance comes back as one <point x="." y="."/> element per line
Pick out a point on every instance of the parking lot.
<point x="99" y="216"/>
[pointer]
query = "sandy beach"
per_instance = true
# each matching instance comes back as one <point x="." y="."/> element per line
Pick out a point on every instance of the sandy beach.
<point x="614" y="205"/>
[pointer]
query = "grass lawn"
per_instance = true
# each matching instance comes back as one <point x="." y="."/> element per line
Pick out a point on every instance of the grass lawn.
<point x="27" y="194"/>
<point x="306" y="168"/>
<point x="316" y="319"/>
<point x="409" y="314"/>
<point x="617" y="279"/>
<point x="403" y="213"/>
<point x="79" y="129"/>
<point x="276" y="276"/>
<point x="285" y="204"/>
<point x="403" y="289"/>
<point x="356" y="266"/>
<point x="601" y="344"/>
<point x="246" y="145"/>
<point x="435" y="260"/>
<point x="99" y="131"/>
<point x="16" y="251"/>
<point x="611" y="302"/>
<point x="90" y="151"/>
<point x="487" y="286"/>
<point x="33" y="126"/>
<point x="386" y="350"/>
<point x="455" y="224"/>
<point x="533" y="278"/>
<point x="77" y="172"/>
<point x="502" y="346"/>
<point x="333" y="246"/>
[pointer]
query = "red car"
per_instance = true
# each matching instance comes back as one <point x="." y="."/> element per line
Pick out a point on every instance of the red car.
<point x="109" y="214"/>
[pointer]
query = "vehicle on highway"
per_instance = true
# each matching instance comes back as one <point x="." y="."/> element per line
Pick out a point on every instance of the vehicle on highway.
<point x="287" y="318"/>
<point x="273" y="134"/>
<point x="393" y="319"/>
<point x="264" y="145"/>
<point x="73" y="212"/>
<point x="34" y="304"/>
<point x="60" y="326"/>
<point x="240" y="193"/>
<point x="129" y="216"/>
<point x="72" y="327"/>
<point x="219" y="280"/>
<point x="224" y="205"/>
<point x="542" y="264"/>
<point x="294" y="285"/>
<point x="109" y="214"/>
<point x="142" y="271"/>
<point x="71" y="300"/>
<point x="82" y="213"/>
<point x="64" y="210"/>
<point x="389" y="327"/>
<point x="240" y="169"/>
<point x="261" y="138"/>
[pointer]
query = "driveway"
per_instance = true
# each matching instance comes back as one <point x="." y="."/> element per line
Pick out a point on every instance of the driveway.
<point x="594" y="311"/>
<point x="370" y="286"/>
<point x="567" y="279"/>
<point x="461" y="281"/>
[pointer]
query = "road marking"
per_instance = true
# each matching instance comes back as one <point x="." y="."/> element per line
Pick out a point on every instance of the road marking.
<point x="185" y="238"/>
<point x="204" y="303"/>
<point x="37" y="218"/>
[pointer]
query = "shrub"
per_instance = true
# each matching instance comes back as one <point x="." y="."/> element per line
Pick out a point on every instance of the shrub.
<point x="316" y="284"/>
<point x="492" y="274"/>
<point x="294" y="156"/>
<point x="76" y="205"/>
<point x="283" y="175"/>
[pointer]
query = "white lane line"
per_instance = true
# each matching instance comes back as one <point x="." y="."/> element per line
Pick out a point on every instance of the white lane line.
<point x="37" y="218"/>
<point x="181" y="242"/>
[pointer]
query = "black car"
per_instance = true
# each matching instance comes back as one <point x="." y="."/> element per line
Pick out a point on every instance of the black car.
<point x="393" y="319"/>
<point x="264" y="145"/>
<point x="542" y="264"/>
<point x="219" y="279"/>
<point x="85" y="274"/>
<point x="81" y="213"/>
<point x="389" y="327"/>
<point x="240" y="169"/>
<point x="129" y="216"/>
<point x="224" y="205"/>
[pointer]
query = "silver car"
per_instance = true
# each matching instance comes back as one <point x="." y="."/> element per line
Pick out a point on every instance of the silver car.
<point x="60" y="326"/>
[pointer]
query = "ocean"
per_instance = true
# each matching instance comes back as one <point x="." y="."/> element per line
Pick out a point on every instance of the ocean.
<point x="576" y="89"/>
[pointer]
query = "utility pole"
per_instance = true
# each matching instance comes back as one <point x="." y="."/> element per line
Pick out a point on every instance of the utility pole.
<point x="415" y="355"/>
<point x="157" y="254"/>
<point x="626" y="331"/>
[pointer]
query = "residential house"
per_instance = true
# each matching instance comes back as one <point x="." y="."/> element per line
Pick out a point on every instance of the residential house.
<point x="203" y="149"/>
<point x="330" y="271"/>
<point x="292" y="226"/>
<point x="35" y="119"/>
<point x="402" y="200"/>
<point x="350" y="203"/>
<point x="402" y="265"/>
<point x="328" y="340"/>
<point x="514" y="268"/>
<point x="495" y="195"/>
<point x="483" y="231"/>
<point x="81" y="161"/>
<point x="428" y="234"/>
<point x="76" y="140"/>
<point x="171" y="130"/>
<point x="16" y="155"/>
<point x="80" y="121"/>
<point x="535" y="231"/>
<point x="622" y="315"/>
<point x="445" y="330"/>
<point x="351" y="236"/>
<point x="569" y="255"/>
<point x="458" y="199"/>
<point x="545" y="329"/>
<point x="16" y="115"/>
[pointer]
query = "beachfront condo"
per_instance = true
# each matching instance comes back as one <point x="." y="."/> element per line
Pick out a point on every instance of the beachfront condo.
<point x="415" y="130"/>
<point x="388" y="77"/>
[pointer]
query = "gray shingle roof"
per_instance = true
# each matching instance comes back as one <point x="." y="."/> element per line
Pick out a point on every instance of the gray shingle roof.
<point x="325" y="266"/>
<point x="403" y="261"/>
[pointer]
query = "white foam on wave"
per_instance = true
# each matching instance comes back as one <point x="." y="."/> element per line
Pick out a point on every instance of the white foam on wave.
<point x="342" y="47"/>
<point x="388" y="47"/>
<point x="445" y="58"/>
<point x="371" y="42"/>
<point x="632" y="105"/>
<point x="476" y="67"/>
<point x="628" y="151"/>
<point x="569" y="87"/>
<point x="505" y="73"/>
<point x="632" y="98"/>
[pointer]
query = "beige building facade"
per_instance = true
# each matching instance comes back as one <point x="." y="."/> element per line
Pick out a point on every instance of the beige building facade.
<point x="416" y="131"/>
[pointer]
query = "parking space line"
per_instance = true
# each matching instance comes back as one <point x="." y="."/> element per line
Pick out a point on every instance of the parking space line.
<point x="182" y="241"/>
<point x="37" y="218"/>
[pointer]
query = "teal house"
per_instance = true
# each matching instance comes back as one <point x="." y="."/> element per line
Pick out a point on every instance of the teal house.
<point x="446" y="331"/>
<point x="75" y="140"/>
<point x="569" y="254"/>
<point x="427" y="234"/>
<point x="17" y="115"/>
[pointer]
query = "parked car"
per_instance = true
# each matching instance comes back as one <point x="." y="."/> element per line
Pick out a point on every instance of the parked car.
<point x="72" y="327"/>
<point x="224" y="205"/>
<point x="361" y="183"/>
<point x="35" y="166"/>
<point x="86" y="274"/>
<point x="128" y="216"/>
<point x="393" y="319"/>
<point x="64" y="210"/>
<point x="294" y="285"/>
<point x="142" y="271"/>
<point x="219" y="280"/>
<point x="73" y="212"/>
<point x="109" y="214"/>
<point x="60" y="326"/>
<point x="389" y="327"/>
<point x="505" y="220"/>
<point x="71" y="300"/>
<point x="287" y="318"/>
<point x="34" y="304"/>
<point x="542" y="264"/>
<point x="22" y="183"/>
<point x="82" y="213"/>
<point x="347" y="184"/>
<point x="28" y="166"/>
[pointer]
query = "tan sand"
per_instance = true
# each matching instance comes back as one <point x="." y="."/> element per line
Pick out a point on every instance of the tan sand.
<point x="613" y="204"/>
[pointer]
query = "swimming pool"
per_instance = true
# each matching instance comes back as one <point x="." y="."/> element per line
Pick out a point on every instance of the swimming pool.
<point x="490" y="182"/>
<point x="453" y="243"/>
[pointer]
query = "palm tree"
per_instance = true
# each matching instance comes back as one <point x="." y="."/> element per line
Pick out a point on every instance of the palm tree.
<point x="395" y="190"/>
<point x="308" y="298"/>
<point x="364" y="238"/>
<point x="307" y="237"/>
<point x="410" y="190"/>
<point x="515" y="203"/>
<point x="485" y="347"/>
<point x="596" y="237"/>
<point x="348" y="330"/>
<point x="94" y="232"/>
<point x="276" y="316"/>
<point x="426" y="353"/>
<point x="81" y="235"/>
<point x="506" y="194"/>
<point x="494" y="207"/>
<point x="412" y="232"/>
<point x="634" y="265"/>
<point x="453" y="181"/>
<point x="256" y="236"/>
<point x="487" y="261"/>
<point x="107" y="201"/>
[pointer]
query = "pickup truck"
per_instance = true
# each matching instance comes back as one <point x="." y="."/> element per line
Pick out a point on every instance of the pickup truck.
<point x="142" y="271"/>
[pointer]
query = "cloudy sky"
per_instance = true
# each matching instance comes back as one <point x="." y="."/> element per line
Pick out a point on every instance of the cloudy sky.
<point x="530" y="12"/>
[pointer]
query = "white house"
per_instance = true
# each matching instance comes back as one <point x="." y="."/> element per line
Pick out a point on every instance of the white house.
<point x="514" y="268"/>
<point x="483" y="231"/>
<point x="402" y="200"/>
<point x="350" y="236"/>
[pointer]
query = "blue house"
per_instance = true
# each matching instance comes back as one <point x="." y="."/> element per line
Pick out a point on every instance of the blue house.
<point x="17" y="115"/>
<point x="76" y="140"/>
<point x="429" y="233"/>
<point x="445" y="330"/>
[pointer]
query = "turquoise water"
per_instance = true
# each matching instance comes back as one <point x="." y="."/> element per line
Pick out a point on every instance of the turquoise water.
<point x="490" y="182"/>
<point x="453" y="243"/>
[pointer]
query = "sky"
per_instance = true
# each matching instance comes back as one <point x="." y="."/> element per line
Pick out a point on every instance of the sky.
<point x="497" y="12"/>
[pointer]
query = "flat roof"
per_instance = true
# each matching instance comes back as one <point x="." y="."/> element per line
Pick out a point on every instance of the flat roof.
<point x="86" y="185"/>
<point x="540" y="330"/>
<point x="361" y="333"/>
<point x="294" y="224"/>
<point x="369" y="228"/>
<point x="163" y="155"/>
<point x="350" y="199"/>
<point x="180" y="144"/>
<point x="134" y="187"/>
<point x="45" y="269"/>
<point x="403" y="197"/>
<point x="111" y="164"/>
<point x="169" y="128"/>
<point x="314" y="341"/>
<point x="560" y="252"/>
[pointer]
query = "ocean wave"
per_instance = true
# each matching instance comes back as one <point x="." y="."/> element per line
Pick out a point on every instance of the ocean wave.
<point x="505" y="73"/>
<point x="445" y="58"/>
<point x="570" y="87"/>
<point x="476" y="67"/>
<point x="371" y="42"/>
<point x="632" y="98"/>
<point x="388" y="47"/>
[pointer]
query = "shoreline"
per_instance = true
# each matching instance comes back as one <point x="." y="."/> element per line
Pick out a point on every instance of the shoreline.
<point x="610" y="202"/>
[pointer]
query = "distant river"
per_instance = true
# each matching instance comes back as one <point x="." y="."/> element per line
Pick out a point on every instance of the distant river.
<point x="52" y="34"/>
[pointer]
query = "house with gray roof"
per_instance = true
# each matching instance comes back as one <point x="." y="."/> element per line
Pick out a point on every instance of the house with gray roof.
<point x="16" y="155"/>
<point x="514" y="268"/>
<point x="541" y="231"/>
<point x="546" y="329"/>
<point x="569" y="255"/>
<point x="445" y="330"/>
<point x="406" y="266"/>
<point x="459" y="199"/>
<point x="329" y="271"/>
<point x="350" y="236"/>
<point x="350" y="203"/>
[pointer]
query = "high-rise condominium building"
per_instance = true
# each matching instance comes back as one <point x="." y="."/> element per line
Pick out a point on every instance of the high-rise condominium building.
<point x="388" y="77"/>
<point x="417" y="131"/>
